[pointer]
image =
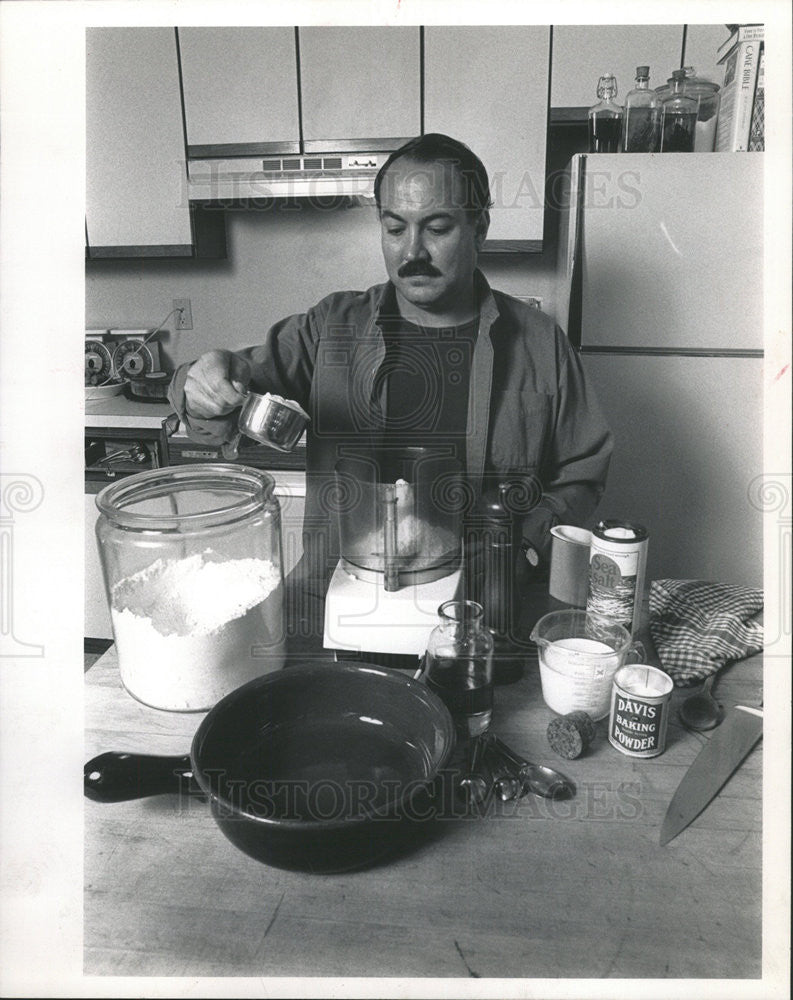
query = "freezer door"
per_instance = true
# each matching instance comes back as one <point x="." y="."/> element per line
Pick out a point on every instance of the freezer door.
<point x="669" y="251"/>
<point x="687" y="460"/>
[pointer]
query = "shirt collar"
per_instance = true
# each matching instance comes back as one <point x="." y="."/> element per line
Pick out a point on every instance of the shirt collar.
<point x="386" y="303"/>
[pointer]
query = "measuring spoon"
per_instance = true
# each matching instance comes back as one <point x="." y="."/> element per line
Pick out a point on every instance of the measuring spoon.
<point x="700" y="711"/>
<point x="506" y="783"/>
<point x="535" y="778"/>
<point x="473" y="784"/>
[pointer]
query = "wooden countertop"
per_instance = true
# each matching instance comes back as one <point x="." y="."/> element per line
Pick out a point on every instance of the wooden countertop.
<point x="530" y="889"/>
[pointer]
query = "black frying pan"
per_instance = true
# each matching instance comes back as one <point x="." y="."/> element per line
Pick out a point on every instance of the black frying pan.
<point x="320" y="767"/>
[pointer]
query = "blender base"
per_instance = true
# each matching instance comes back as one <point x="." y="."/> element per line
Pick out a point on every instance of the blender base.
<point x="361" y="616"/>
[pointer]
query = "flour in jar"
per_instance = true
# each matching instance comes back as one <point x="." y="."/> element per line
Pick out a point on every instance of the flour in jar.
<point x="190" y="630"/>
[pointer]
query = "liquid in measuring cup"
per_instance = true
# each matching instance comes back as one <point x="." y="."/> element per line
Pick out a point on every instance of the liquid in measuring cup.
<point x="576" y="675"/>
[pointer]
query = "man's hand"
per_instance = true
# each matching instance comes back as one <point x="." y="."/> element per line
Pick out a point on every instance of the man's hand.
<point x="216" y="384"/>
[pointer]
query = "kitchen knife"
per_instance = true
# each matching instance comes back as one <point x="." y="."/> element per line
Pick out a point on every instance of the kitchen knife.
<point x="714" y="764"/>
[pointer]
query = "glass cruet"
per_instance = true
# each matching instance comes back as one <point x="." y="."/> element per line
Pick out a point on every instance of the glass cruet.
<point x="605" y="118"/>
<point x="459" y="666"/>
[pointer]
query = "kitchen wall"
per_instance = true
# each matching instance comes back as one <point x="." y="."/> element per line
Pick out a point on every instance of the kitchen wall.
<point x="283" y="260"/>
<point x="279" y="262"/>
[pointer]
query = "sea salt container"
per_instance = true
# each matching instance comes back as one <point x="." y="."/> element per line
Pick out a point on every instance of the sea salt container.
<point x="193" y="571"/>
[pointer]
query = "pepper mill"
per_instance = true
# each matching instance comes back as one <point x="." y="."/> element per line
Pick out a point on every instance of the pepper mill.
<point x="496" y="568"/>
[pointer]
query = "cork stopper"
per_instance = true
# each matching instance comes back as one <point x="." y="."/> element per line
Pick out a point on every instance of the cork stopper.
<point x="570" y="735"/>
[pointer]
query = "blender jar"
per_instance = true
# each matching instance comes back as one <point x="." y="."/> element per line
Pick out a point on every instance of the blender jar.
<point x="192" y="563"/>
<point x="400" y="515"/>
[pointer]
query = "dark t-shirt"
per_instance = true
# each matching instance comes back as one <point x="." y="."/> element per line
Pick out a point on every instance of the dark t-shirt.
<point x="423" y="383"/>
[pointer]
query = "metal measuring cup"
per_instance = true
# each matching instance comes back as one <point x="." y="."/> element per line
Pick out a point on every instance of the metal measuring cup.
<point x="270" y="420"/>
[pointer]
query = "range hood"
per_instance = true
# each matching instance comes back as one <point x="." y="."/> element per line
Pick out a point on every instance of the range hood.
<point x="252" y="180"/>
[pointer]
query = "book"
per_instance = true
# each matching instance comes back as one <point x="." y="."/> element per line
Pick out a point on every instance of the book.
<point x="737" y="97"/>
<point x="757" y="127"/>
<point x="742" y="33"/>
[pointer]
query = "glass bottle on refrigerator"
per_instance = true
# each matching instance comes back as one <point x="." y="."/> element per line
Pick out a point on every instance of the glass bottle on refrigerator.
<point x="641" y="127"/>
<point x="706" y="94"/>
<point x="678" y="117"/>
<point x="605" y="118"/>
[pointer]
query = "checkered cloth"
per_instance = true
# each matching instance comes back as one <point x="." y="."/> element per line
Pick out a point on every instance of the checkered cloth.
<point x="697" y="627"/>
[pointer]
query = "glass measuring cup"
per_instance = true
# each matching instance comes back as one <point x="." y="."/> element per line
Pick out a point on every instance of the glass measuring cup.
<point x="579" y="654"/>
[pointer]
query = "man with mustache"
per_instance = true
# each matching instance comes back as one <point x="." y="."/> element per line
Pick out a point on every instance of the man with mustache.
<point x="434" y="355"/>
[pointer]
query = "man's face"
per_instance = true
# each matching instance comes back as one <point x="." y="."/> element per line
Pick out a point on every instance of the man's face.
<point x="429" y="241"/>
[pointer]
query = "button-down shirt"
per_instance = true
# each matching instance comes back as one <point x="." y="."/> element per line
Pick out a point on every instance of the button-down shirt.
<point x="531" y="413"/>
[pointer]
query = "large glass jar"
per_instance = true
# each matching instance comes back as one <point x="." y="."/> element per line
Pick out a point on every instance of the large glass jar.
<point x="706" y="94"/>
<point x="459" y="666"/>
<point x="193" y="571"/>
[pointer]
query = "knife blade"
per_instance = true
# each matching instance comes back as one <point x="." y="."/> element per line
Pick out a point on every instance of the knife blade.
<point x="716" y="761"/>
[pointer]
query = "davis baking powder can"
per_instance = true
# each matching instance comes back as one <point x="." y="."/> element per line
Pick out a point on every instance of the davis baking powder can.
<point x="617" y="560"/>
<point x="639" y="710"/>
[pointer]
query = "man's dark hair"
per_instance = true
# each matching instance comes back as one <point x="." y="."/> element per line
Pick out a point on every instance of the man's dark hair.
<point x="434" y="147"/>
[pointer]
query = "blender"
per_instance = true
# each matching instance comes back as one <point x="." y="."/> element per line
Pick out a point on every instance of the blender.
<point x="400" y="513"/>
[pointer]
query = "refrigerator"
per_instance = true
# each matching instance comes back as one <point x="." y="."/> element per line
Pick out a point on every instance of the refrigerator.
<point x="661" y="291"/>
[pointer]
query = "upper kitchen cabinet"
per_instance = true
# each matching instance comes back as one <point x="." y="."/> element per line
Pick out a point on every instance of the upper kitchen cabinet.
<point x="360" y="87"/>
<point x="240" y="90"/>
<point x="584" y="52"/>
<point x="135" y="173"/>
<point x="488" y="86"/>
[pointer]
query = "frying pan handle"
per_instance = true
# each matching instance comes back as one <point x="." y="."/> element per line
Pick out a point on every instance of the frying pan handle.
<point x="117" y="777"/>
